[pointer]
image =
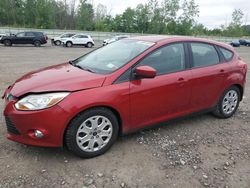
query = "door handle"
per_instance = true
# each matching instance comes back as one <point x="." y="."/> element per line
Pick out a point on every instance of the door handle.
<point x="181" y="79"/>
<point x="222" y="72"/>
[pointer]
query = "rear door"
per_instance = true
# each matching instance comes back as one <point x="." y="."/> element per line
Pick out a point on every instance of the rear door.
<point x="208" y="75"/>
<point x="80" y="39"/>
<point x="29" y="37"/>
<point x="84" y="39"/>
<point x="165" y="96"/>
<point x="76" y="39"/>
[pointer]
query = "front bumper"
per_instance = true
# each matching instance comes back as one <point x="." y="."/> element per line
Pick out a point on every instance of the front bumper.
<point x="22" y="124"/>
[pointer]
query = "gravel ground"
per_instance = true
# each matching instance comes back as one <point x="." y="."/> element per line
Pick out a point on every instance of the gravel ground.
<point x="200" y="151"/>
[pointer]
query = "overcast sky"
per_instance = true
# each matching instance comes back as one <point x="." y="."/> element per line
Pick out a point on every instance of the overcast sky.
<point x="213" y="13"/>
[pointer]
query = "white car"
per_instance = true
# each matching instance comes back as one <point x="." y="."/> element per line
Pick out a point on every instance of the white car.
<point x="113" y="39"/>
<point x="58" y="40"/>
<point x="80" y="40"/>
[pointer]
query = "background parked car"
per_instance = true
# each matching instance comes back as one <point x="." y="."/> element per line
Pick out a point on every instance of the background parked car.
<point x="1" y="35"/>
<point x="235" y="43"/>
<point x="80" y="40"/>
<point x="57" y="40"/>
<point x="29" y="37"/>
<point x="242" y="42"/>
<point x="113" y="39"/>
<point x="247" y="42"/>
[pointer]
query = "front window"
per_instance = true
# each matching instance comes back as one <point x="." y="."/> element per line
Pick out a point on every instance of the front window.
<point x="20" y="34"/>
<point x="110" y="58"/>
<point x="167" y="59"/>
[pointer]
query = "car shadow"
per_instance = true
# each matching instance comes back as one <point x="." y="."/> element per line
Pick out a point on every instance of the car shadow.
<point x="25" y="45"/>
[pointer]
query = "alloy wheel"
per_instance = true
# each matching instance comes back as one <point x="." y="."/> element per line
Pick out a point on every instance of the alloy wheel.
<point x="230" y="101"/>
<point x="94" y="133"/>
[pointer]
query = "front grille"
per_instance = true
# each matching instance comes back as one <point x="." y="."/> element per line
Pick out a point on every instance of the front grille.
<point x="11" y="127"/>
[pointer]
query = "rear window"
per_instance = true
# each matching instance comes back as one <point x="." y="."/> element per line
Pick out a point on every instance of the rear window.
<point x="29" y="34"/>
<point x="226" y="53"/>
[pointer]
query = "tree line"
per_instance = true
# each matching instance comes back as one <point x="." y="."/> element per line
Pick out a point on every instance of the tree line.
<point x="153" y="17"/>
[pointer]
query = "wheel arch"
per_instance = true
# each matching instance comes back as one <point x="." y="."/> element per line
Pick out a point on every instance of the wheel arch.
<point x="241" y="90"/>
<point x="36" y="40"/>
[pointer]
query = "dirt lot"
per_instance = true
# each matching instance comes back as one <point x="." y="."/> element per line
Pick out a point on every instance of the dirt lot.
<point x="199" y="151"/>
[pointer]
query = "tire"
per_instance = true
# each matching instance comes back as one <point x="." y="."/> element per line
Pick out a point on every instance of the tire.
<point x="69" y="44"/>
<point x="57" y="43"/>
<point x="228" y="103"/>
<point x="89" y="45"/>
<point x="37" y="43"/>
<point x="99" y="127"/>
<point x="7" y="43"/>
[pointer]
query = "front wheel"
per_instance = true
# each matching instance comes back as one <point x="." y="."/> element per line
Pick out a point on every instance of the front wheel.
<point x="69" y="44"/>
<point x="7" y="43"/>
<point x="92" y="132"/>
<point x="58" y="43"/>
<point x="228" y="103"/>
<point x="89" y="45"/>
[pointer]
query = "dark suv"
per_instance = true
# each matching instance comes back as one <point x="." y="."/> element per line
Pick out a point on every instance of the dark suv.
<point x="30" y="37"/>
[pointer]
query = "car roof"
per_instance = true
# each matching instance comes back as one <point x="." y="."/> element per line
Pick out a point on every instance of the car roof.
<point x="82" y="34"/>
<point x="166" y="38"/>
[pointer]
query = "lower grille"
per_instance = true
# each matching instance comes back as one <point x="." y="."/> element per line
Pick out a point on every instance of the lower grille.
<point x="11" y="127"/>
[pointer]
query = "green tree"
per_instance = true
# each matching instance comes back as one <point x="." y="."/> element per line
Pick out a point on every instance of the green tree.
<point x="237" y="17"/>
<point x="85" y="16"/>
<point x="142" y="18"/>
<point x="235" y="26"/>
<point x="157" y="23"/>
<point x="187" y="19"/>
<point x="100" y="16"/>
<point x="128" y="20"/>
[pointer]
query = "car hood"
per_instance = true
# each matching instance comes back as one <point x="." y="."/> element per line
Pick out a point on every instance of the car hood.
<point x="64" y="77"/>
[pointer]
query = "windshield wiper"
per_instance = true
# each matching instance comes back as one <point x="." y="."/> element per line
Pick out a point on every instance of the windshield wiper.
<point x="84" y="68"/>
<point x="80" y="67"/>
<point x="87" y="69"/>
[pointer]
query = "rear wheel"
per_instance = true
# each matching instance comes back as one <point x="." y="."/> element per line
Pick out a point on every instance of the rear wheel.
<point x="37" y="43"/>
<point x="228" y="103"/>
<point x="89" y="45"/>
<point x="69" y="44"/>
<point x="7" y="43"/>
<point x="92" y="133"/>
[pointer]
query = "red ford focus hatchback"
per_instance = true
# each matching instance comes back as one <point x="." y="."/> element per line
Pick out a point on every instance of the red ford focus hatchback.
<point x="120" y="88"/>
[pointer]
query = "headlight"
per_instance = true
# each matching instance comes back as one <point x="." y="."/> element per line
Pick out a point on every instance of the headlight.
<point x="40" y="101"/>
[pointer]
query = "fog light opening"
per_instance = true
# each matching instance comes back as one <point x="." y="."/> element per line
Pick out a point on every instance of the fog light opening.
<point x="38" y="134"/>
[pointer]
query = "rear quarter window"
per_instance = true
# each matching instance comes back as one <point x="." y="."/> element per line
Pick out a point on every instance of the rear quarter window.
<point x="228" y="55"/>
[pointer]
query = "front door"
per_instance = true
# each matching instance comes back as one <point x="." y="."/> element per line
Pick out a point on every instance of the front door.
<point x="20" y="38"/>
<point x="165" y="96"/>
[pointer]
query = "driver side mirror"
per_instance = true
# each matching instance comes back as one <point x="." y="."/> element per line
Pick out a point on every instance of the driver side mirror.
<point x="145" y="72"/>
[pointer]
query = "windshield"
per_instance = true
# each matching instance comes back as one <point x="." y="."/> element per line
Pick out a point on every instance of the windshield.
<point x="113" y="56"/>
